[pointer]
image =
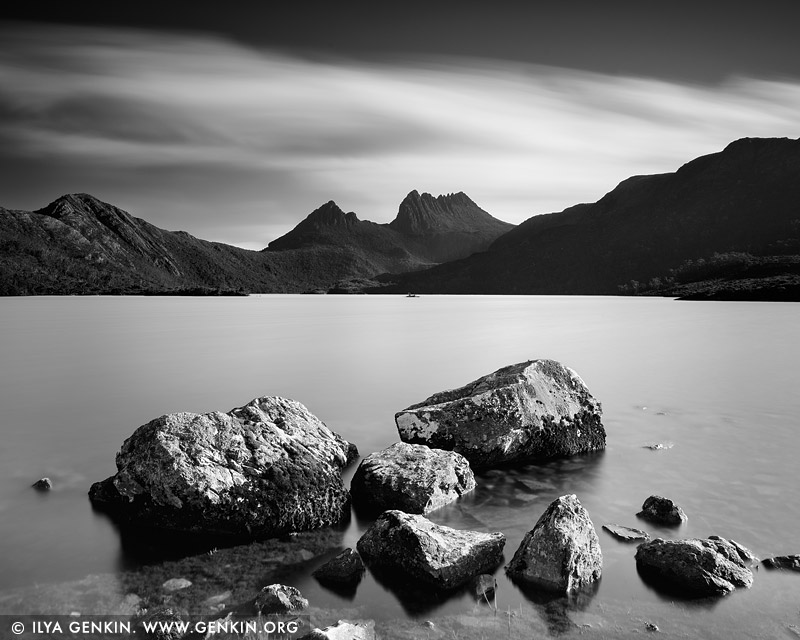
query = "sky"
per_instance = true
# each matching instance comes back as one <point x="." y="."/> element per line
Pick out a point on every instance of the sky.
<point x="234" y="122"/>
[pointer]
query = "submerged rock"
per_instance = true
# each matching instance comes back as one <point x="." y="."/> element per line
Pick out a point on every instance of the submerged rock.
<point x="347" y="569"/>
<point x="662" y="511"/>
<point x="562" y="551"/>
<point x="529" y="411"/>
<point x="695" y="567"/>
<point x="483" y="587"/>
<point x="263" y="469"/>
<point x="412" y="478"/>
<point x="628" y="534"/>
<point x="783" y="562"/>
<point x="441" y="556"/>
<point x="279" y="598"/>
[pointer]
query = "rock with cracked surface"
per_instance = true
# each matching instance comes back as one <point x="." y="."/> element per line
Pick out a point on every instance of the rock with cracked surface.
<point x="533" y="410"/>
<point x="562" y="551"/>
<point x="412" y="478"/>
<point x="695" y="567"/>
<point x="264" y="469"/>
<point x="434" y="554"/>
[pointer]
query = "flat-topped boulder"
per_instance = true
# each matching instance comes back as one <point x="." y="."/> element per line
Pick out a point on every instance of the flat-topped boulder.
<point x="412" y="545"/>
<point x="410" y="477"/>
<point x="529" y="411"/>
<point x="696" y="567"/>
<point x="264" y="469"/>
<point x="562" y="551"/>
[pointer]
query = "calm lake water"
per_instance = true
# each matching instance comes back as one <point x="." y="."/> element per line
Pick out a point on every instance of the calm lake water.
<point x="719" y="381"/>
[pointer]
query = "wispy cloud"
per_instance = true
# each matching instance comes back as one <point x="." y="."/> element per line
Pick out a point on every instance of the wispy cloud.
<point x="237" y="144"/>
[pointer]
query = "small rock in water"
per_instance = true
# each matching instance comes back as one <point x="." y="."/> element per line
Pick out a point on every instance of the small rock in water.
<point x="651" y="626"/>
<point x="694" y="567"/>
<point x="783" y="562"/>
<point x="176" y="584"/>
<point x="483" y="586"/>
<point x="43" y="485"/>
<point x="662" y="511"/>
<point x="279" y="598"/>
<point x="659" y="446"/>
<point x="346" y="568"/>
<point x="628" y="534"/>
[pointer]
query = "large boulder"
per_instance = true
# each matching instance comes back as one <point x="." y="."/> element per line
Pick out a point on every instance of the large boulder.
<point x="411" y="478"/>
<point x="695" y="567"/>
<point x="562" y="551"/>
<point x="264" y="469"/>
<point x="529" y="411"/>
<point x="440" y="556"/>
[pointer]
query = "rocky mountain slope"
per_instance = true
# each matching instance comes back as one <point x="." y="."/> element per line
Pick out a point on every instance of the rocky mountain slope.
<point x="80" y="245"/>
<point x="745" y="198"/>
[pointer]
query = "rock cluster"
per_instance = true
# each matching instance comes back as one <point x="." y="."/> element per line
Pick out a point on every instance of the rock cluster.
<point x="529" y="411"/>
<point x="264" y="469"/>
<point x="411" y="478"/>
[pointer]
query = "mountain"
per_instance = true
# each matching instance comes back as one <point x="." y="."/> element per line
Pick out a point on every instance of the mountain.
<point x="745" y="198"/>
<point x="427" y="230"/>
<point x="79" y="244"/>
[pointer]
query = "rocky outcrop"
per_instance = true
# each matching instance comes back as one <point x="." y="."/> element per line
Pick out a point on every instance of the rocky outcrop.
<point x="440" y="556"/>
<point x="412" y="478"/>
<point x="264" y="469"/>
<point x="562" y="552"/>
<point x="345" y="569"/>
<point x="279" y="598"/>
<point x="662" y="511"/>
<point x="695" y="567"/>
<point x="529" y="411"/>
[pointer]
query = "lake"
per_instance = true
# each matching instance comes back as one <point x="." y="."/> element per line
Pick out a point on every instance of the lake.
<point x="716" y="380"/>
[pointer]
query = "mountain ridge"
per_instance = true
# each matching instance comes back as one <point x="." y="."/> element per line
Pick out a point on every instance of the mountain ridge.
<point x="743" y="198"/>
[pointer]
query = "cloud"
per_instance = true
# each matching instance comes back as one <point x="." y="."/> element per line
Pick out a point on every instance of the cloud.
<point x="224" y="140"/>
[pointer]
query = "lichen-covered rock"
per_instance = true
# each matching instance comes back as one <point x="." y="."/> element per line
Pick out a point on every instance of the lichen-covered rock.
<point x="441" y="556"/>
<point x="345" y="630"/>
<point x="695" y="567"/>
<point x="529" y="411"/>
<point x="346" y="569"/>
<point x="562" y="552"/>
<point x="412" y="478"/>
<point x="264" y="469"/>
<point x="279" y="598"/>
<point x="662" y="511"/>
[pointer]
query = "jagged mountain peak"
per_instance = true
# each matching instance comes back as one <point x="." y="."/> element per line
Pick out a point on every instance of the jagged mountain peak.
<point x="421" y="214"/>
<point x="331" y="214"/>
